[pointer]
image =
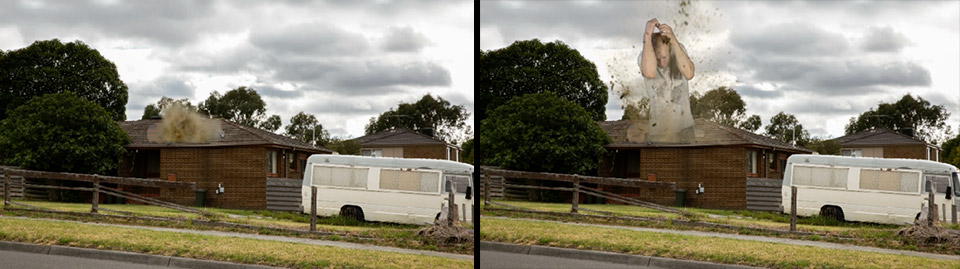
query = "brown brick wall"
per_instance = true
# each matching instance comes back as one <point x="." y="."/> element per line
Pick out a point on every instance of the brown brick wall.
<point x="720" y="170"/>
<point x="428" y="152"/>
<point x="909" y="152"/>
<point x="240" y="170"/>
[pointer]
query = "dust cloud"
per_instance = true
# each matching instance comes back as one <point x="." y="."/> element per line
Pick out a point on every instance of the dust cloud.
<point x="182" y="125"/>
<point x="664" y="117"/>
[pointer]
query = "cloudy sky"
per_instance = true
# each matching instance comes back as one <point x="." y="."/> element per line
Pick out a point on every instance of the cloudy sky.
<point x="825" y="61"/>
<point x="342" y="61"/>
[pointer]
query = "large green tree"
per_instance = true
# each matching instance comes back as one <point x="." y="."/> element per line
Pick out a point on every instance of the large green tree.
<point x="822" y="146"/>
<point x="950" y="151"/>
<point x="785" y="127"/>
<point x="343" y="146"/>
<point x="466" y="153"/>
<point x="50" y="66"/>
<point x="242" y="105"/>
<point x="154" y="110"/>
<point x="927" y="120"/>
<point x="306" y="128"/>
<point x="446" y="119"/>
<point x="723" y="105"/>
<point x="543" y="132"/>
<point x="62" y="132"/>
<point x="530" y="66"/>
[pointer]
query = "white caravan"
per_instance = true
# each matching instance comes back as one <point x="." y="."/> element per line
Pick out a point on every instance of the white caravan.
<point x="411" y="191"/>
<point x="861" y="189"/>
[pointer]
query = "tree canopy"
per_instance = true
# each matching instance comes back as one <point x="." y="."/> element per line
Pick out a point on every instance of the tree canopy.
<point x="543" y="132"/>
<point x="50" y="66"/>
<point x="242" y="105"/>
<point x="466" y="154"/>
<point x="153" y="110"/>
<point x="950" y="151"/>
<point x="306" y="128"/>
<point x="927" y="120"/>
<point x="723" y="105"/>
<point x="447" y="120"/>
<point x="822" y="146"/>
<point x="529" y="66"/>
<point x="343" y="146"/>
<point x="62" y="132"/>
<point x="785" y="127"/>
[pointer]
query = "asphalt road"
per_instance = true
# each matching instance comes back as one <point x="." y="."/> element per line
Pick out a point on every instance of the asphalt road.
<point x="16" y="259"/>
<point x="496" y="259"/>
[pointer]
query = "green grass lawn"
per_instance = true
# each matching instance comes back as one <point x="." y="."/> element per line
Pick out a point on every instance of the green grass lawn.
<point x="709" y="249"/>
<point x="229" y="249"/>
<point x="862" y="234"/>
<point x="385" y="234"/>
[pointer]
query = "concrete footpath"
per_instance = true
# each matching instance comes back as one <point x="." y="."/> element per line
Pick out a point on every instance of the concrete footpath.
<point x="601" y="256"/>
<point x="759" y="239"/>
<point x="274" y="238"/>
<point x="111" y="255"/>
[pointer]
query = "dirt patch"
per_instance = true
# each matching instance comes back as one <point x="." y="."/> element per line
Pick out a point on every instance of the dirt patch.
<point x="445" y="235"/>
<point x="926" y="235"/>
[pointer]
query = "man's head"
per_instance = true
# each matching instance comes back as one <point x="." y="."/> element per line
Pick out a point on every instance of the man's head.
<point x="661" y="49"/>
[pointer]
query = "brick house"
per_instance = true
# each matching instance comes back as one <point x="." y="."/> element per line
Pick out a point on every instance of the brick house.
<point x="720" y="159"/>
<point x="406" y="143"/>
<point x="886" y="143"/>
<point x="240" y="161"/>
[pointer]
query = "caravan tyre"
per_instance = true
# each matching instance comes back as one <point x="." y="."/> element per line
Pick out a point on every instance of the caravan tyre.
<point x="352" y="212"/>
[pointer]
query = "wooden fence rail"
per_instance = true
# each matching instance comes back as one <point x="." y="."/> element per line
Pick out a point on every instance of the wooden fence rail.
<point x="577" y="188"/>
<point x="97" y="188"/>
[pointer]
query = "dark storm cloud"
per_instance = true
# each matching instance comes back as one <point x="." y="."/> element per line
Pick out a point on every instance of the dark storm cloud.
<point x="567" y="18"/>
<point x="377" y="74"/>
<point x="172" y="23"/>
<point x="853" y="74"/>
<point x="404" y="39"/>
<point x="884" y="39"/>
<point x="790" y="39"/>
<point x="311" y="39"/>
<point x="750" y="91"/>
<point x="271" y="91"/>
<point x="834" y="76"/>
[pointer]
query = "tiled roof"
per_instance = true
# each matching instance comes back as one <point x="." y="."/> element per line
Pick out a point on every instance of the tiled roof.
<point x="234" y="134"/>
<point x="707" y="133"/>
<point x="398" y="137"/>
<point x="878" y="137"/>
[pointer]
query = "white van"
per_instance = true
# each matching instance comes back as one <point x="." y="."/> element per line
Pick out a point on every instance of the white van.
<point x="861" y="189"/>
<point x="397" y="190"/>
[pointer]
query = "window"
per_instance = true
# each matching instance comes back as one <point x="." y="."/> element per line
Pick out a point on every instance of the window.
<point x="272" y="162"/>
<point x="956" y="183"/>
<point x="852" y="152"/>
<point x="941" y="183"/>
<point x="372" y="152"/>
<point x="752" y="162"/>
<point x="899" y="181"/>
<point x="772" y="161"/>
<point x="292" y="161"/>
<point x="419" y="181"/>
<point x="340" y="176"/>
<point x="820" y="176"/>
<point x="460" y="182"/>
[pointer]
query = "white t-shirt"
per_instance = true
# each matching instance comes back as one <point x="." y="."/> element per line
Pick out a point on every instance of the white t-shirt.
<point x="670" y="120"/>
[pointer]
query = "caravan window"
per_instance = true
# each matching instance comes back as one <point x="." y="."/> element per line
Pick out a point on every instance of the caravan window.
<point x="940" y="182"/>
<point x="340" y="176"/>
<point x="956" y="183"/>
<point x="419" y="181"/>
<point x="898" y="181"/>
<point x="820" y="176"/>
<point x="460" y="182"/>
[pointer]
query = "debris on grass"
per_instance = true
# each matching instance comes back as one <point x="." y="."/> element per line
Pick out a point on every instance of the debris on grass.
<point x="447" y="235"/>
<point x="931" y="235"/>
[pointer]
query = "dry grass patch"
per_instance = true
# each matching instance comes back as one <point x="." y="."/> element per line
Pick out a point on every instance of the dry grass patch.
<point x="229" y="249"/>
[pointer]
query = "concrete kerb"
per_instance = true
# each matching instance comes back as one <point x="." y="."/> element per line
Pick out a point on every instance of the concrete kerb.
<point x="601" y="256"/>
<point x="113" y="255"/>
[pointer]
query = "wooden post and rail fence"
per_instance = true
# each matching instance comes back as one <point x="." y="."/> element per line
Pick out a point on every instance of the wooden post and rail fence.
<point x="97" y="188"/>
<point x="577" y="182"/>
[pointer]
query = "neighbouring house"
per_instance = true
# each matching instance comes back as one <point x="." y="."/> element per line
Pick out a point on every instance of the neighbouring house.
<point x="720" y="159"/>
<point x="886" y="143"/>
<point x="239" y="159"/>
<point x="406" y="143"/>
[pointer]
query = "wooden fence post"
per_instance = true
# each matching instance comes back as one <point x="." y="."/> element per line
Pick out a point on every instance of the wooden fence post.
<point x="6" y="188"/>
<point x="486" y="188"/>
<point x="313" y="208"/>
<point x="793" y="208"/>
<point x="943" y="213"/>
<point x="576" y="194"/>
<point x="96" y="194"/>
<point x="931" y="208"/>
<point x="451" y="206"/>
<point x="953" y="213"/>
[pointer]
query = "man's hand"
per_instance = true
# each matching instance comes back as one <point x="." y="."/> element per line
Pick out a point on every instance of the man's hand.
<point x="667" y="31"/>
<point x="651" y="24"/>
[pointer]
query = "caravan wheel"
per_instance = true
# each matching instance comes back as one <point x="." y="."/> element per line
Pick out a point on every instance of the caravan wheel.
<point x="352" y="212"/>
<point x="832" y="212"/>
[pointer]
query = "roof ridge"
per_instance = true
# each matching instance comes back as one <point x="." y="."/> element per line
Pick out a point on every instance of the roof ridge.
<point x="743" y="133"/>
<point x="244" y="128"/>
